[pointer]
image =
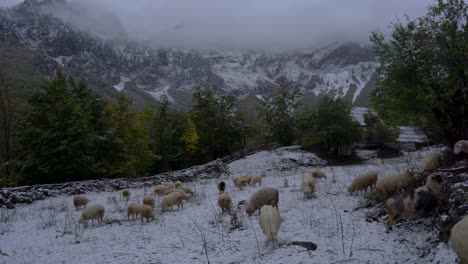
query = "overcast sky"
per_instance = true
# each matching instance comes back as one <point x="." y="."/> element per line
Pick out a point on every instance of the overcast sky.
<point x="251" y="23"/>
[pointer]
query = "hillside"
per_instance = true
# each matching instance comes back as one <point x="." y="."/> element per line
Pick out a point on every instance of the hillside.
<point x="342" y="226"/>
<point x="112" y="64"/>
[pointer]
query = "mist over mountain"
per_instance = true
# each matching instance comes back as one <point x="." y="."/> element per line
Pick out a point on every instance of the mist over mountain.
<point x="154" y="48"/>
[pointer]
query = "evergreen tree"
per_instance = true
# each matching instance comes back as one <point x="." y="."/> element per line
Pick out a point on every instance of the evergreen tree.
<point x="279" y="112"/>
<point x="218" y="124"/>
<point x="422" y="78"/>
<point x="59" y="133"/>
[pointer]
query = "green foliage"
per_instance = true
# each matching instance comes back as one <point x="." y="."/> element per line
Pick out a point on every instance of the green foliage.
<point x="377" y="131"/>
<point x="280" y="111"/>
<point x="190" y="138"/>
<point x="218" y="123"/>
<point x="69" y="133"/>
<point x="422" y="76"/>
<point x="334" y="125"/>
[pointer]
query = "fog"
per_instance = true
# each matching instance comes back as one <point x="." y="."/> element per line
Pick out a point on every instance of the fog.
<point x="241" y="24"/>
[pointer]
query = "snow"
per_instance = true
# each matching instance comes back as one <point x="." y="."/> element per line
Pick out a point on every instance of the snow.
<point x="121" y="85"/>
<point x="63" y="60"/>
<point x="47" y="231"/>
<point x="164" y="92"/>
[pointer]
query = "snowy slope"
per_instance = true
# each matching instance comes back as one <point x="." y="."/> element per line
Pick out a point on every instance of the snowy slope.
<point x="48" y="232"/>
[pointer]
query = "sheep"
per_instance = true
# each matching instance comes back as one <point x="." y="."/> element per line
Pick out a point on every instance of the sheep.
<point x="240" y="182"/>
<point x="458" y="239"/>
<point x="148" y="200"/>
<point x="389" y="184"/>
<point x="224" y="202"/>
<point x="146" y="213"/>
<point x="270" y="222"/>
<point x="264" y="196"/>
<point x="308" y="185"/>
<point x="364" y="181"/>
<point x="93" y="212"/>
<point x="184" y="194"/>
<point x="172" y="199"/>
<point x="126" y="195"/>
<point x="80" y="200"/>
<point x="416" y="203"/>
<point x="221" y="187"/>
<point x="168" y="184"/>
<point x="460" y="146"/>
<point x="133" y="210"/>
<point x="247" y="178"/>
<point x="318" y="174"/>
<point x="160" y="189"/>
<point x="255" y="180"/>
<point x="178" y="184"/>
<point x="186" y="189"/>
<point x="431" y="162"/>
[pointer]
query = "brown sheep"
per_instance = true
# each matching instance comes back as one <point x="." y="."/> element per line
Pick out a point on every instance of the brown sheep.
<point x="224" y="202"/>
<point x="172" y="199"/>
<point x="80" y="200"/>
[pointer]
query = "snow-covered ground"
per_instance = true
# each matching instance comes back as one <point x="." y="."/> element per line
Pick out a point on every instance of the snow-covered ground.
<point x="47" y="231"/>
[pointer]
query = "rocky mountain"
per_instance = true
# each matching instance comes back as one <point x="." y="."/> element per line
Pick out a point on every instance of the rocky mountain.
<point x="111" y="64"/>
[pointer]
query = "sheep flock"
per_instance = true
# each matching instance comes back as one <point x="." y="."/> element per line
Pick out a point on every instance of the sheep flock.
<point x="254" y="204"/>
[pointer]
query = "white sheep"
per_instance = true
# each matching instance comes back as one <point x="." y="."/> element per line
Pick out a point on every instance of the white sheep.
<point x="133" y="210"/>
<point x="224" y="202"/>
<point x="93" y="212"/>
<point x="363" y="181"/>
<point x="147" y="213"/>
<point x="168" y="184"/>
<point x="184" y="194"/>
<point x="270" y="222"/>
<point x="414" y="204"/>
<point x="240" y="182"/>
<point x="126" y="195"/>
<point x="80" y="200"/>
<point x="221" y="187"/>
<point x="178" y="184"/>
<point x="172" y="199"/>
<point x="459" y="239"/>
<point x="186" y="189"/>
<point x="389" y="184"/>
<point x="308" y="185"/>
<point x="264" y="196"/>
<point x="318" y="174"/>
<point x="431" y="162"/>
<point x="461" y="146"/>
<point x="149" y="200"/>
<point x="160" y="189"/>
<point x="255" y="180"/>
